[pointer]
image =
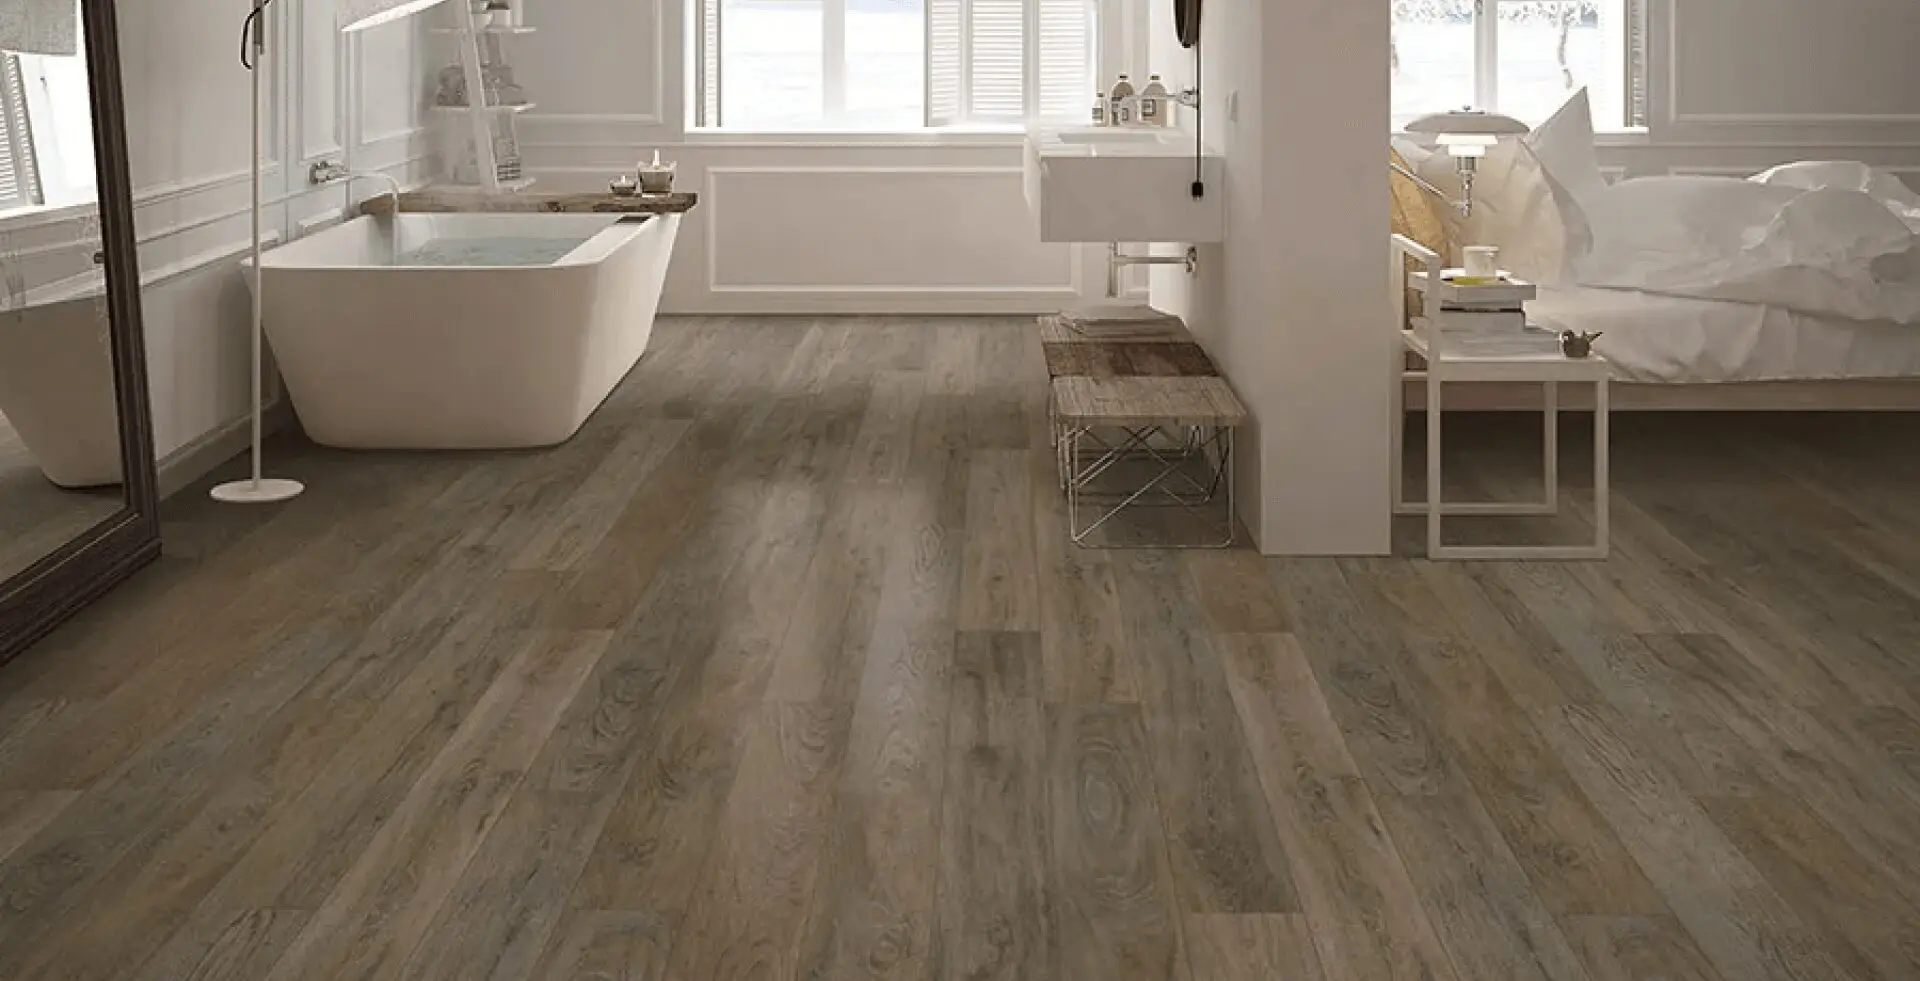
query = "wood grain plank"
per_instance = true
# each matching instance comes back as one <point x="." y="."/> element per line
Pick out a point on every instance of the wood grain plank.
<point x="157" y="793"/>
<point x="497" y="921"/>
<point x="593" y="507"/>
<point x="145" y="897"/>
<point x="308" y="843"/>
<point x="1871" y="925"/>
<point x="766" y="513"/>
<point x="1113" y="895"/>
<point x="1797" y="750"/>
<point x="1255" y="947"/>
<point x="1000" y="590"/>
<point x="238" y="946"/>
<point x="386" y="903"/>
<point x="1007" y="366"/>
<point x="1393" y="738"/>
<point x="1480" y="901"/>
<point x="884" y="444"/>
<point x="1737" y="918"/>
<point x="1235" y="589"/>
<point x="1573" y="859"/>
<point x="994" y="916"/>
<point x="270" y="606"/>
<point x="1637" y="948"/>
<point x="685" y="756"/>
<point x="1354" y="889"/>
<point x="1082" y="636"/>
<point x="1226" y="857"/>
<point x="758" y="885"/>
<point x="609" y="945"/>
<point x="826" y="641"/>
<point x="24" y="813"/>
<point x="874" y="907"/>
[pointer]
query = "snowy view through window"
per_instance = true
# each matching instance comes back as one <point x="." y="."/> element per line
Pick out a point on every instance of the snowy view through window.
<point x="1547" y="49"/>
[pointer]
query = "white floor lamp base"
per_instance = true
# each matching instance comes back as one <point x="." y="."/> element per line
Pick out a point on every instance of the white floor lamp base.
<point x="265" y="491"/>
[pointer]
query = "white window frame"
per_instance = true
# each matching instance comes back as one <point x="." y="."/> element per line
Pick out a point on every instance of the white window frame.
<point x="706" y="80"/>
<point x="1626" y="52"/>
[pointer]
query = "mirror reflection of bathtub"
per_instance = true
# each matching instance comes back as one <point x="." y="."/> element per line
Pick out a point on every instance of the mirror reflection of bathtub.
<point x="60" y="467"/>
<point x="462" y="331"/>
<point x="56" y="382"/>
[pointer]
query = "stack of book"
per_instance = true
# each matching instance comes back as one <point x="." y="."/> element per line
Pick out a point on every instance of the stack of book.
<point x="1488" y="306"/>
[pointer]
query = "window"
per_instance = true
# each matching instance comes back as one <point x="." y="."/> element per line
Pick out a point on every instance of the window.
<point x="890" y="65"/>
<point x="46" y="132"/>
<point x="1521" y="57"/>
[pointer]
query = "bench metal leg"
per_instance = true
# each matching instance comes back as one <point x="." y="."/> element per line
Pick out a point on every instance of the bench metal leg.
<point x="1082" y="469"/>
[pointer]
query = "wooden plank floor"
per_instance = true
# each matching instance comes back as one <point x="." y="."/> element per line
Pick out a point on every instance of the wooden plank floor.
<point x="37" y="516"/>
<point x="782" y="669"/>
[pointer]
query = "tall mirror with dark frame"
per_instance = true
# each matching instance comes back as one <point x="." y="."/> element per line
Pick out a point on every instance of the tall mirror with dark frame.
<point x="78" y="508"/>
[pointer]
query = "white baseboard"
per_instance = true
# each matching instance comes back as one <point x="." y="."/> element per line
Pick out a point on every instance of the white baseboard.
<point x="189" y="463"/>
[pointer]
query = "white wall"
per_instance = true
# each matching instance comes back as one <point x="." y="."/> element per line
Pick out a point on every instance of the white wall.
<point x="350" y="97"/>
<point x="1741" y="85"/>
<point x="1289" y="305"/>
<point x="797" y="224"/>
<point x="355" y="98"/>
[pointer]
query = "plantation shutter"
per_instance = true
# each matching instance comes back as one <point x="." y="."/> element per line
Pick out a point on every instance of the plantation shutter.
<point x="18" y="187"/>
<point x="706" y="109"/>
<point x="996" y="60"/>
<point x="1009" y="60"/>
<point x="946" y="33"/>
<point x="1066" y="59"/>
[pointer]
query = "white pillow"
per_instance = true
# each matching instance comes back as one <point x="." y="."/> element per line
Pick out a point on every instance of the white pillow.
<point x="1514" y="208"/>
<point x="1562" y="147"/>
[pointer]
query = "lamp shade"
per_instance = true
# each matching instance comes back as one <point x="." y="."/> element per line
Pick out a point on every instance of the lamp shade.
<point x="1467" y="122"/>
<point x="358" y="15"/>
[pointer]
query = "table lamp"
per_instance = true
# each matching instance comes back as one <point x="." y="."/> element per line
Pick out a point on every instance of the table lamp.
<point x="1466" y="135"/>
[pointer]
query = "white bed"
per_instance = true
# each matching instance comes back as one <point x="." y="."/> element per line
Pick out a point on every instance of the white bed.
<point x="1748" y="350"/>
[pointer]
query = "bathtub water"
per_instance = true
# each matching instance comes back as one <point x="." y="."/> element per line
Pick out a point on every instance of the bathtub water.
<point x="462" y="331"/>
<point x="490" y="252"/>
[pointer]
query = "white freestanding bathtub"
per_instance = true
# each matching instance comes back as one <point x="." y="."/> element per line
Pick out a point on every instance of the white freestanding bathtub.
<point x="511" y="336"/>
<point x="56" y="383"/>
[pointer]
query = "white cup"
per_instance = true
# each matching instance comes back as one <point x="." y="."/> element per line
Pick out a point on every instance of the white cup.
<point x="1482" y="261"/>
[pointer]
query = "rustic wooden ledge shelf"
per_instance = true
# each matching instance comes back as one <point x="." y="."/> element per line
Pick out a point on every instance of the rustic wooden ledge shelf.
<point x="431" y="200"/>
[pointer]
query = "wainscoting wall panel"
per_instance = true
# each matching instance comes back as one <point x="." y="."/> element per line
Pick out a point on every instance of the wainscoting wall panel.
<point x="800" y="226"/>
<point x="911" y="230"/>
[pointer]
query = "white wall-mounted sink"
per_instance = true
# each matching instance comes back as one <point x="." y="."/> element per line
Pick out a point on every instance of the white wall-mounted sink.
<point x="1114" y="184"/>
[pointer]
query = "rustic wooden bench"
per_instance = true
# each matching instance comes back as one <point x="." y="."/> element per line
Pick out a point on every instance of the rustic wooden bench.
<point x="1143" y="394"/>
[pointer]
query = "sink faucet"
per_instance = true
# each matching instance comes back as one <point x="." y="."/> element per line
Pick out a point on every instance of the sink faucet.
<point x="1189" y="97"/>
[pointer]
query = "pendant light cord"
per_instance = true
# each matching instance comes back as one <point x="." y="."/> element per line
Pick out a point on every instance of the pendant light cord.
<point x="1199" y="120"/>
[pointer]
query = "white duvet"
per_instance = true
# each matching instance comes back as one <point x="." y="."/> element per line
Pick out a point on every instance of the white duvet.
<point x="1824" y="239"/>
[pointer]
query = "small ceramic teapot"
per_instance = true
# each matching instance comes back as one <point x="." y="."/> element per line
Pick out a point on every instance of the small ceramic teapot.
<point x="1578" y="344"/>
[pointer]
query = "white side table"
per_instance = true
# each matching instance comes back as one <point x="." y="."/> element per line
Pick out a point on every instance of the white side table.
<point x="1530" y="356"/>
<point x="1499" y="355"/>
